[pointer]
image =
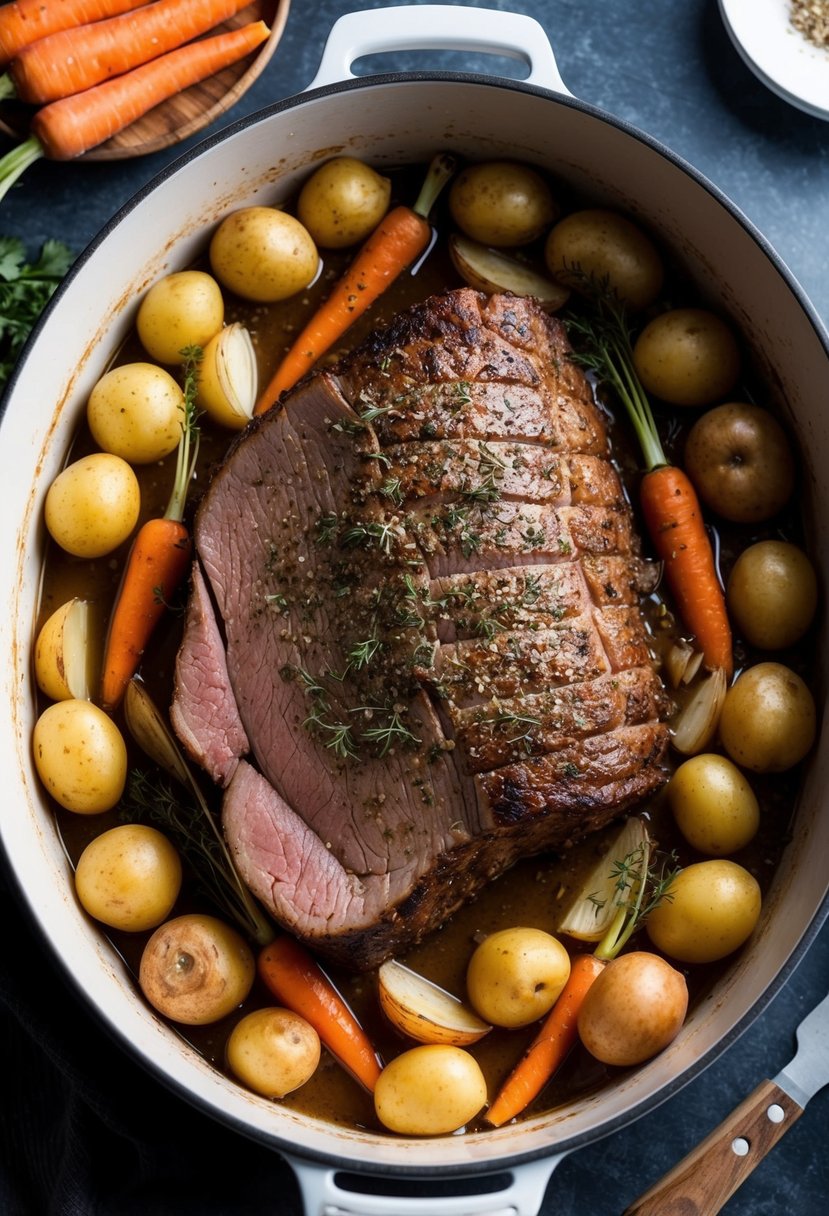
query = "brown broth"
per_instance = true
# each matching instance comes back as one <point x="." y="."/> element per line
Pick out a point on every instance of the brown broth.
<point x="536" y="891"/>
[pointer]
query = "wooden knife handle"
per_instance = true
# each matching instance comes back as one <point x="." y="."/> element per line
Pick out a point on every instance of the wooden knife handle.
<point x="704" y="1180"/>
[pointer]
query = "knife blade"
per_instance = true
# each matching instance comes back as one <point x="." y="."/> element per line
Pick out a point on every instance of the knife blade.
<point x="704" y="1180"/>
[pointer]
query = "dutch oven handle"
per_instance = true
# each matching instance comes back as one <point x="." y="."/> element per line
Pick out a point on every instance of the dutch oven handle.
<point x="430" y="27"/>
<point x="325" y="1192"/>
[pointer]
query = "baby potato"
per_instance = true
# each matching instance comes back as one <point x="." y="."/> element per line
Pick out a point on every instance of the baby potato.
<point x="687" y="356"/>
<point x="608" y="248"/>
<point x="263" y="254"/>
<point x="430" y="1090"/>
<point x="273" y="1051"/>
<point x="712" y="909"/>
<point x="740" y="461"/>
<point x="129" y="877"/>
<point x="501" y="203"/>
<point x="184" y="309"/>
<point x="768" y="719"/>
<point x="713" y="804"/>
<point x="92" y="506"/>
<point x="195" y="969"/>
<point x="633" y="1009"/>
<point x="342" y="202"/>
<point x="136" y="411"/>
<point x="80" y="756"/>
<point x="772" y="594"/>
<point x="515" y="976"/>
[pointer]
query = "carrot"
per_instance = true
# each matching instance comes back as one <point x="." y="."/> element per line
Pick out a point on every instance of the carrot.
<point x="157" y="562"/>
<point x="550" y="1047"/>
<point x="669" y="502"/>
<point x="24" y="21"/>
<point x="72" y="125"/>
<point x="76" y="59"/>
<point x="296" y="980"/>
<point x="397" y="241"/>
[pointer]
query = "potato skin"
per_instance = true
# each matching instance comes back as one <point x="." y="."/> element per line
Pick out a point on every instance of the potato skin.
<point x="129" y="877"/>
<point x="343" y="202"/>
<point x="430" y="1090"/>
<point x="515" y="976"/>
<point x="772" y="594"/>
<point x="713" y="910"/>
<point x="687" y="356"/>
<point x="713" y="804"/>
<point x="633" y="1009"/>
<point x="501" y="203"/>
<point x="608" y="248"/>
<point x="740" y="461"/>
<point x="80" y="756"/>
<point x="768" y="721"/>
<point x="273" y="1051"/>
<point x="183" y="309"/>
<point x="92" y="506"/>
<point x="136" y="411"/>
<point x="195" y="969"/>
<point x="263" y="254"/>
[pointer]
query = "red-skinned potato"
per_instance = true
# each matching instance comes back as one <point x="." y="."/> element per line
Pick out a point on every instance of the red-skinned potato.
<point x="633" y="1009"/>
<point x="740" y="461"/>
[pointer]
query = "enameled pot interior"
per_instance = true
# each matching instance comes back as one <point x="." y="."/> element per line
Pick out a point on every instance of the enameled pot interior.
<point x="391" y="120"/>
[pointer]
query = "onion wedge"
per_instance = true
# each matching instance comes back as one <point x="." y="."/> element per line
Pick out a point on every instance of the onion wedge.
<point x="491" y="271"/>
<point x="592" y="912"/>
<point x="423" y="1011"/>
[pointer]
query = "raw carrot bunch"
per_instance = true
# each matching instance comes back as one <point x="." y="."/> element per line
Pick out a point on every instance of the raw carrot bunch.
<point x="93" y="67"/>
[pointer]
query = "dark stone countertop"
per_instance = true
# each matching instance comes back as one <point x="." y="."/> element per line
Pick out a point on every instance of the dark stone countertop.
<point x="73" y="1102"/>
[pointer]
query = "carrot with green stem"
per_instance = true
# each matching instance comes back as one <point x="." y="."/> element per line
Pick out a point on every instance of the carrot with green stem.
<point x="67" y="128"/>
<point x="669" y="502"/>
<point x="637" y="891"/>
<point x="75" y="59"/>
<point x="399" y="239"/>
<point x="292" y="975"/>
<point x="158" y="561"/>
<point x="25" y="21"/>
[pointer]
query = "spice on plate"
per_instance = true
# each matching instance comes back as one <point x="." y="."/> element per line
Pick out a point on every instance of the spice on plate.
<point x="811" y="18"/>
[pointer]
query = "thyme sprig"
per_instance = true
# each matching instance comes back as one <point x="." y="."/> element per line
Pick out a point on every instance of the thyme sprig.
<point x="640" y="886"/>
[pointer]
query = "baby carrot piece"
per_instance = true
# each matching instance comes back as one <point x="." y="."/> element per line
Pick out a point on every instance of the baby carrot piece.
<point x="550" y="1047"/>
<point x="669" y="502"/>
<point x="24" y="21"/>
<point x="157" y="563"/>
<point x="72" y="125"/>
<point x="396" y="242"/>
<point x="76" y="59"/>
<point x="292" y="975"/>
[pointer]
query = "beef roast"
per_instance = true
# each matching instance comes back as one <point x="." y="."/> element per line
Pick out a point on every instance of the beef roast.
<point x="414" y="651"/>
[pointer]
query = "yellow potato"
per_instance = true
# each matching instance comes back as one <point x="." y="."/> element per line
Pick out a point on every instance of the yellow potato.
<point x="273" y="1051"/>
<point x="184" y="309"/>
<point x="263" y="254"/>
<point x="343" y="202"/>
<point x="772" y="594"/>
<point x="92" y="506"/>
<point x="80" y="756"/>
<point x="713" y="909"/>
<point x="687" y="356"/>
<point x="129" y="877"/>
<point x="67" y="652"/>
<point x="515" y="976"/>
<point x="768" y="721"/>
<point x="501" y="203"/>
<point x="136" y="411"/>
<point x="608" y="249"/>
<point x="430" y="1090"/>
<point x="713" y="804"/>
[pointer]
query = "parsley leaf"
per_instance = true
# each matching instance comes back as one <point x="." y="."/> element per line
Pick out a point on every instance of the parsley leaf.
<point x="24" y="292"/>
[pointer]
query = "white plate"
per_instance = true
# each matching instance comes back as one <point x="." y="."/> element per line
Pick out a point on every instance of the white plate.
<point x="778" y="54"/>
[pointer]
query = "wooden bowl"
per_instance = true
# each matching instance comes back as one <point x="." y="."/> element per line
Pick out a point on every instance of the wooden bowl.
<point x="187" y="112"/>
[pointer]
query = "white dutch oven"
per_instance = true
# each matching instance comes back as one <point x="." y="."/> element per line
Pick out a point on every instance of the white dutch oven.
<point x="391" y="119"/>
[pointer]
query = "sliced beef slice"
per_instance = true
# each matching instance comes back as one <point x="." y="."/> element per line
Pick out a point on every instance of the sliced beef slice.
<point x="423" y="655"/>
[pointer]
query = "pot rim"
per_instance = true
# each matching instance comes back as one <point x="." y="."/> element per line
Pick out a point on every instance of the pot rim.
<point x="503" y="1160"/>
